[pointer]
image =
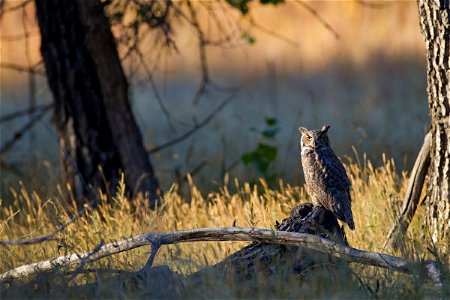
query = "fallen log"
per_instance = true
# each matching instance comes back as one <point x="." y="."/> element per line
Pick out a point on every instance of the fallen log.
<point x="310" y="230"/>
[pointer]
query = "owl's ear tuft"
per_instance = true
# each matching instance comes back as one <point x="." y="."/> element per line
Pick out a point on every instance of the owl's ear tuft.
<point x="303" y="130"/>
<point x="325" y="128"/>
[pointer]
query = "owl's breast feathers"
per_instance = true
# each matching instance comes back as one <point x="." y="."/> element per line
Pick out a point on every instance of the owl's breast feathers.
<point x="327" y="182"/>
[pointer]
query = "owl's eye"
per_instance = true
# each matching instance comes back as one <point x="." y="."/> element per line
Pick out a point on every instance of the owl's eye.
<point x="309" y="138"/>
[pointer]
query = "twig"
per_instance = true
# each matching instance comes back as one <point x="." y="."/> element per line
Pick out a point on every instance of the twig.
<point x="19" y="68"/>
<point x="87" y="207"/>
<point x="193" y="129"/>
<point x="18" y="37"/>
<point x="273" y="33"/>
<point x="312" y="242"/>
<point x="25" y="112"/>
<point x="85" y="260"/>
<point x="51" y="235"/>
<point x="156" y="93"/>
<point x="374" y="4"/>
<point x="201" y="89"/>
<point x="4" y="9"/>
<point x="318" y="18"/>
<point x="19" y="133"/>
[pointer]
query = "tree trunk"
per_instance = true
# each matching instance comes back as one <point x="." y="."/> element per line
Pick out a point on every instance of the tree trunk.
<point x="435" y="25"/>
<point x="98" y="133"/>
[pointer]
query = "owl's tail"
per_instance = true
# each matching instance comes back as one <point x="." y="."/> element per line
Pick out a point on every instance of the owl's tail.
<point x="349" y="220"/>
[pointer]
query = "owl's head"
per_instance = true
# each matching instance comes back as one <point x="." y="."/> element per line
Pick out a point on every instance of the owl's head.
<point x="314" y="139"/>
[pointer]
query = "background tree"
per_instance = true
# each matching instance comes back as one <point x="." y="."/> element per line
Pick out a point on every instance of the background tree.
<point x="96" y="127"/>
<point x="95" y="123"/>
<point x="160" y="14"/>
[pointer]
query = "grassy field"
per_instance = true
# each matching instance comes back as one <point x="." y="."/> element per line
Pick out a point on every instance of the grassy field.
<point x="376" y="192"/>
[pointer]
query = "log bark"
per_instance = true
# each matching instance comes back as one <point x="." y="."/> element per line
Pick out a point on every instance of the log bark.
<point x="435" y="25"/>
<point x="397" y="233"/>
<point x="329" y="240"/>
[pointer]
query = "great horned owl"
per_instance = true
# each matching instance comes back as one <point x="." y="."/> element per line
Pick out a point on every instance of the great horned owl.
<point x="327" y="182"/>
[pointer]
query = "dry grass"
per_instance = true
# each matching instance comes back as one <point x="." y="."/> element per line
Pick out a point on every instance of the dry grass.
<point x="376" y="193"/>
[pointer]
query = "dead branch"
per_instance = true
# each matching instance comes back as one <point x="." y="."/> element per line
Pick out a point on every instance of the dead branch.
<point x="193" y="129"/>
<point x="51" y="235"/>
<point x="19" y="68"/>
<point x="318" y="17"/>
<point x="85" y="260"/>
<point x="25" y="112"/>
<point x="19" y="133"/>
<point x="309" y="241"/>
<point x="412" y="196"/>
<point x="7" y="9"/>
<point x="201" y="89"/>
<point x="374" y="4"/>
<point x="273" y="33"/>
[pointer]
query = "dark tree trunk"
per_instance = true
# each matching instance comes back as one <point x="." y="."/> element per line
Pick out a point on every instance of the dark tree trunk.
<point x="95" y="124"/>
<point x="435" y="25"/>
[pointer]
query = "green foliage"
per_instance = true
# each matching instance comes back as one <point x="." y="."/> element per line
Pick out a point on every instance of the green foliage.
<point x="242" y="5"/>
<point x="261" y="157"/>
<point x="265" y="152"/>
<point x="250" y="39"/>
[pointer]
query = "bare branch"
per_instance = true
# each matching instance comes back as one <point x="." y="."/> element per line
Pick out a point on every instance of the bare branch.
<point x="4" y="9"/>
<point x="193" y="129"/>
<point x="19" y="133"/>
<point x="51" y="235"/>
<point x="85" y="260"/>
<point x="156" y="93"/>
<point x="318" y="18"/>
<point x="19" y="68"/>
<point x="87" y="207"/>
<point x="412" y="196"/>
<point x="374" y="4"/>
<point x="309" y="241"/>
<point x="273" y="33"/>
<point x="201" y="89"/>
<point x="18" y="37"/>
<point x="25" y="112"/>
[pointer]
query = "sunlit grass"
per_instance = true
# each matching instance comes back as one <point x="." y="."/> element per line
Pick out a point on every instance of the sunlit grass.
<point x="376" y="194"/>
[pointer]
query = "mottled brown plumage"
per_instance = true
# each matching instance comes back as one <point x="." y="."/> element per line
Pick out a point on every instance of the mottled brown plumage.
<point x="326" y="180"/>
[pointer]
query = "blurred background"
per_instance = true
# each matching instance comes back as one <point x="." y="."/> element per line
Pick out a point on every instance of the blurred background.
<point x="356" y="65"/>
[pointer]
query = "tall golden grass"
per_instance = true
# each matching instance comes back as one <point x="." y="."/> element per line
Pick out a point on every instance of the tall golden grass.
<point x="376" y="194"/>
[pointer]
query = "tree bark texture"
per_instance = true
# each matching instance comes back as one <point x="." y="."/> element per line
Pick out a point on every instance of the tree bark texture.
<point x="95" y="125"/>
<point x="435" y="25"/>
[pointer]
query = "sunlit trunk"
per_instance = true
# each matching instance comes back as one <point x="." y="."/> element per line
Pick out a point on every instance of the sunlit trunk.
<point x="435" y="25"/>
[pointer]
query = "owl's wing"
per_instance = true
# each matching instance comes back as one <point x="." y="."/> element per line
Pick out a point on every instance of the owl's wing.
<point x="337" y="176"/>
